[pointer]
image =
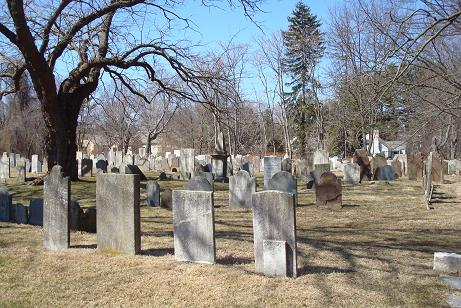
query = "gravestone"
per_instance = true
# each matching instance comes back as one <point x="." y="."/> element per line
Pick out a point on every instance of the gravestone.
<point x="198" y="183"/>
<point x="166" y="199"/>
<point x="101" y="166"/>
<point x="245" y="166"/>
<point x="397" y="165"/>
<point x="361" y="159"/>
<point x="352" y="173"/>
<point x="21" y="214"/>
<point x="36" y="212"/>
<point x="437" y="169"/>
<point x="36" y="166"/>
<point x="329" y="191"/>
<point x="414" y="166"/>
<point x="302" y="168"/>
<point x="136" y="159"/>
<point x="85" y="167"/>
<point x="284" y="181"/>
<point x="274" y="218"/>
<point x="275" y="258"/>
<point x="128" y="159"/>
<point x="56" y="235"/>
<point x="118" y="213"/>
<point x="186" y="163"/>
<point x="4" y="168"/>
<point x="21" y="171"/>
<point x="193" y="226"/>
<point x="241" y="187"/>
<point x="5" y="204"/>
<point x="454" y="166"/>
<point x="153" y="193"/>
<point x="385" y="173"/>
<point x="321" y="157"/>
<point x="207" y="175"/>
<point x="114" y="170"/>
<point x="272" y="165"/>
<point x="12" y="159"/>
<point x="45" y="165"/>
<point x="286" y="165"/>
<point x="118" y="158"/>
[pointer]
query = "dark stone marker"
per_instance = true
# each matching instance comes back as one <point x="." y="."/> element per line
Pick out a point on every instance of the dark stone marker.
<point x="329" y="191"/>
<point x="198" y="183"/>
<point x="193" y="226"/>
<point x="385" y="173"/>
<point x="88" y="220"/>
<point x="56" y="235"/>
<point x="153" y="193"/>
<point x="21" y="214"/>
<point x="286" y="165"/>
<point x="5" y="204"/>
<point x="101" y="166"/>
<point x="86" y="167"/>
<point x="274" y="218"/>
<point x="74" y="215"/>
<point x="162" y="176"/>
<point x="36" y="212"/>
<point x="166" y="199"/>
<point x="118" y="219"/>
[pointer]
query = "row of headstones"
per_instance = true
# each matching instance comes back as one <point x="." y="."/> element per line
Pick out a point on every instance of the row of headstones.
<point x="118" y="221"/>
<point x="22" y="166"/>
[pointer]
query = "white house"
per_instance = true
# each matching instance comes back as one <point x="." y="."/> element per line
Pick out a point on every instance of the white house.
<point x="388" y="148"/>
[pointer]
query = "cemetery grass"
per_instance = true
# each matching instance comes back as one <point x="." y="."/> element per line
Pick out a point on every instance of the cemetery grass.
<point x="376" y="251"/>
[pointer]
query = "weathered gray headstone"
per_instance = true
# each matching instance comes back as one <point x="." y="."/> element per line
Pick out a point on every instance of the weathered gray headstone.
<point x="446" y="262"/>
<point x="241" y="187"/>
<point x="5" y="204"/>
<point x="118" y="158"/>
<point x="144" y="165"/>
<point x="274" y="218"/>
<point x="166" y="199"/>
<point x="385" y="173"/>
<point x="198" y="183"/>
<point x="351" y="173"/>
<point x="321" y="157"/>
<point x="454" y="166"/>
<point x="118" y="213"/>
<point x="56" y="235"/>
<point x="21" y="171"/>
<point x="193" y="226"/>
<point x="36" y="166"/>
<point x="207" y="175"/>
<point x="186" y="163"/>
<point x="275" y="258"/>
<point x="4" y="168"/>
<point x="36" y="212"/>
<point x="128" y="159"/>
<point x="283" y="181"/>
<point x="21" y="213"/>
<point x="153" y="193"/>
<point x="272" y="165"/>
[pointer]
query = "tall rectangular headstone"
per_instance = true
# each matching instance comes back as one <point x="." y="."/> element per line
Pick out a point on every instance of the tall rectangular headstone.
<point x="186" y="163"/>
<point x="274" y="218"/>
<point x="351" y="173"/>
<point x="85" y="167"/>
<point x="12" y="160"/>
<point x="56" y="235"/>
<point x="36" y="165"/>
<point x="36" y="212"/>
<point x="153" y="193"/>
<point x="241" y="187"/>
<point x="272" y="165"/>
<point x="5" y="204"/>
<point x="118" y="213"/>
<point x="193" y="226"/>
<point x="4" y="167"/>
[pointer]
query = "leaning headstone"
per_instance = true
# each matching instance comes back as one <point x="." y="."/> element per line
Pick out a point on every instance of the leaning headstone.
<point x="56" y="235"/>
<point x="272" y="165"/>
<point x="274" y="215"/>
<point x="275" y="258"/>
<point x="198" y="183"/>
<point x="193" y="226"/>
<point x="286" y="165"/>
<point x="329" y="191"/>
<point x="351" y="173"/>
<point x="385" y="173"/>
<point x="153" y="193"/>
<point x="21" y="214"/>
<point x="36" y="212"/>
<point x="186" y="163"/>
<point x="118" y="213"/>
<point x="284" y="181"/>
<point x="241" y="187"/>
<point x="85" y="167"/>
<point x="5" y="204"/>
<point x="166" y="199"/>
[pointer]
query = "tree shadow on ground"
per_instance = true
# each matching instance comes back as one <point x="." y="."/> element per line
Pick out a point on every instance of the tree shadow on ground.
<point x="157" y="252"/>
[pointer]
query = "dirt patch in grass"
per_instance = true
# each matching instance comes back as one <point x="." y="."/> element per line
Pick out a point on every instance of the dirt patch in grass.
<point x="376" y="251"/>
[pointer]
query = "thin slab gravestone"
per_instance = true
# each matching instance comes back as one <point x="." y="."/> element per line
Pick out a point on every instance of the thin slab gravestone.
<point x="118" y="213"/>
<point x="287" y="165"/>
<point x="275" y="258"/>
<point x="21" y="214"/>
<point x="274" y="218"/>
<point x="272" y="165"/>
<point x="5" y="204"/>
<point x="4" y="167"/>
<point x="186" y="163"/>
<point x="36" y="212"/>
<point x="56" y="235"/>
<point x="166" y="199"/>
<point x="351" y="173"/>
<point x="153" y="193"/>
<point x="21" y="171"/>
<point x="193" y="226"/>
<point x="241" y="187"/>
<point x="284" y="181"/>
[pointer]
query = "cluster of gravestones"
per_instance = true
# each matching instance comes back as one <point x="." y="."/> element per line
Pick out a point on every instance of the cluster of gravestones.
<point x="13" y="161"/>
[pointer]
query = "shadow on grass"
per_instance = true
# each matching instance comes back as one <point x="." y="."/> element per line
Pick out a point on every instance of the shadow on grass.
<point x="306" y="270"/>
<point x="157" y="252"/>
<point x="230" y="260"/>
<point x="84" y="246"/>
<point x="350" y="205"/>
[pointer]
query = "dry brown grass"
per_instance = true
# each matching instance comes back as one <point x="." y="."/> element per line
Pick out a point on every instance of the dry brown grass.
<point x="376" y="251"/>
